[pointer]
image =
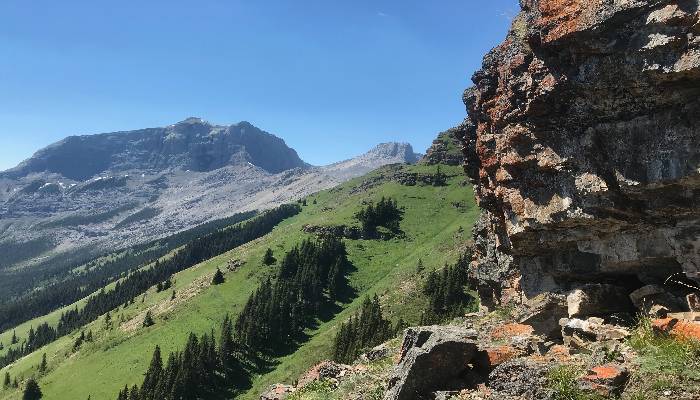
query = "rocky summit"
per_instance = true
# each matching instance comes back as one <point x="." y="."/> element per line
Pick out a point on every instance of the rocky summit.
<point x="124" y="188"/>
<point x="582" y="142"/>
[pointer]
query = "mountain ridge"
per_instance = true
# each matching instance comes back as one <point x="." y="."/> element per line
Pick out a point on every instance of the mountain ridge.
<point x="132" y="193"/>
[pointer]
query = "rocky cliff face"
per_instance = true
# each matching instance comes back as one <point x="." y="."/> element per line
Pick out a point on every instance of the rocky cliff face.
<point x="583" y="142"/>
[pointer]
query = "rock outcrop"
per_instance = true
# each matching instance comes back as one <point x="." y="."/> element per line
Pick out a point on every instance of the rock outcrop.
<point x="583" y="142"/>
<point x="444" y="149"/>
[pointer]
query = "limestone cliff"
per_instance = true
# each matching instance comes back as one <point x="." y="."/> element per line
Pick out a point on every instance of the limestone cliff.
<point x="583" y="142"/>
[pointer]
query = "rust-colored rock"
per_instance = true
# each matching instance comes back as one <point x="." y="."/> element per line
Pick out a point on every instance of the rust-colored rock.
<point x="507" y="331"/>
<point x="678" y="328"/>
<point x="606" y="379"/>
<point x="495" y="356"/>
<point x="583" y="143"/>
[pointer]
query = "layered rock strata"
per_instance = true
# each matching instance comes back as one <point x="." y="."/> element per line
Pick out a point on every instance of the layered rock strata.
<point x="583" y="143"/>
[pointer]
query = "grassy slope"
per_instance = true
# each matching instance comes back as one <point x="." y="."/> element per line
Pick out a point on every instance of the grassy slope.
<point x="432" y="225"/>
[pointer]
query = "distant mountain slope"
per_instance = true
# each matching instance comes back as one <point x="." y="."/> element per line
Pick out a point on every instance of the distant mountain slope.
<point x="91" y="193"/>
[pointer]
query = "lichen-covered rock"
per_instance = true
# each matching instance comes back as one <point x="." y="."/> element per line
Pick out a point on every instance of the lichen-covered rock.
<point x="583" y="142"/>
<point x="433" y="358"/>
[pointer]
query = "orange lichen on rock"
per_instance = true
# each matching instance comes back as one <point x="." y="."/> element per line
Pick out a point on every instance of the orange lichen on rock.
<point x="564" y="16"/>
<point x="678" y="328"/>
<point x="510" y="330"/>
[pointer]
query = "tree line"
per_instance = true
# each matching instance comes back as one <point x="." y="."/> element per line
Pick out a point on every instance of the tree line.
<point x="362" y="331"/>
<point x="138" y="282"/>
<point x="206" y="368"/>
<point x="94" y="274"/>
<point x="446" y="293"/>
<point x="310" y="277"/>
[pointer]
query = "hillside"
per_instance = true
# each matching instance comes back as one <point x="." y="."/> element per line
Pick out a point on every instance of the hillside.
<point x="120" y="355"/>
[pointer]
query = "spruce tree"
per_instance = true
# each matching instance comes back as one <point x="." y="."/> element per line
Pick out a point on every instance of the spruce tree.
<point x="269" y="257"/>
<point x="14" y="339"/>
<point x="218" y="278"/>
<point x="153" y="376"/>
<point x="32" y="390"/>
<point x="42" y="366"/>
<point x="172" y="296"/>
<point x="148" y="319"/>
<point x="6" y="383"/>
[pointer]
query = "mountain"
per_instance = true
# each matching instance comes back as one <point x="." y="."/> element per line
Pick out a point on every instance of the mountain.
<point x="192" y="144"/>
<point x="118" y="189"/>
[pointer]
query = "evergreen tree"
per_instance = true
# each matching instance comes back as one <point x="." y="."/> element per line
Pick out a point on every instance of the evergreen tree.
<point x="6" y="383"/>
<point x="14" y="339"/>
<point x="42" y="366"/>
<point x="15" y="384"/>
<point x="148" y="319"/>
<point x="153" y="376"/>
<point x="362" y="331"/>
<point x="134" y="393"/>
<point x="218" y="278"/>
<point x="172" y="296"/>
<point x="32" y="390"/>
<point x="269" y="258"/>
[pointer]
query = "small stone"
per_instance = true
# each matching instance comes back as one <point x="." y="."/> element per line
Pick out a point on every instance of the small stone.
<point x="606" y="379"/>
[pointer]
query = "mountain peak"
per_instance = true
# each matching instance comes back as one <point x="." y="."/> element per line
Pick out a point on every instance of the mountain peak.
<point x="192" y="144"/>
<point x="398" y="150"/>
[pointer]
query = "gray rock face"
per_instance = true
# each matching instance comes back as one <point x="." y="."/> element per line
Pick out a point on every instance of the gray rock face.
<point x="434" y="358"/>
<point x="119" y="189"/>
<point x="583" y="141"/>
<point x="192" y="144"/>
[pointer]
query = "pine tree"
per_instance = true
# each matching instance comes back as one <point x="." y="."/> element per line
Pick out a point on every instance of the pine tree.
<point x="134" y="393"/>
<point x="172" y="296"/>
<point x="218" y="278"/>
<point x="42" y="366"/>
<point x="148" y="319"/>
<point x="15" y="384"/>
<point x="32" y="390"/>
<point x="269" y="257"/>
<point x="6" y="383"/>
<point x="153" y="376"/>
<point x="14" y="339"/>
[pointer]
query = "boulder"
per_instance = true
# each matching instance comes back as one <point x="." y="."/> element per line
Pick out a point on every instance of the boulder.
<point x="654" y="300"/>
<point x="324" y="370"/>
<point x="597" y="299"/>
<point x="433" y="358"/>
<point x="578" y="332"/>
<point x="607" y="379"/>
<point x="543" y="313"/>
<point x="376" y="353"/>
<point x="277" y="392"/>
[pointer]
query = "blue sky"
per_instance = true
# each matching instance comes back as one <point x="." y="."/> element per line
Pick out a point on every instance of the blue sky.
<point x="333" y="78"/>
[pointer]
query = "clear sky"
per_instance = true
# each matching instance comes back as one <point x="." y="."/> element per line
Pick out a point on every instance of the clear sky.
<point x="333" y="78"/>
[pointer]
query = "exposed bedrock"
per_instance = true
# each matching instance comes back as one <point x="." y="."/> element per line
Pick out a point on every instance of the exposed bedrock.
<point x="583" y="142"/>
